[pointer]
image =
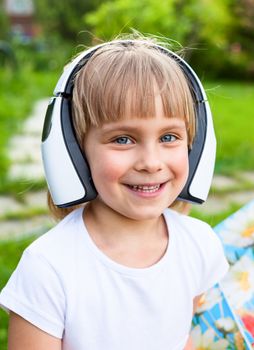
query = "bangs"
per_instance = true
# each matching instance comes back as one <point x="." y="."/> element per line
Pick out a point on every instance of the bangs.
<point x="127" y="85"/>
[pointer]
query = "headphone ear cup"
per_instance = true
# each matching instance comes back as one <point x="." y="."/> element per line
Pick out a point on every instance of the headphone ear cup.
<point x="66" y="169"/>
<point x="76" y="154"/>
<point x="201" y="157"/>
<point x="195" y="154"/>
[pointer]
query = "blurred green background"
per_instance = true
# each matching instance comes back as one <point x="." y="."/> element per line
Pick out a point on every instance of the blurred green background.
<point x="38" y="38"/>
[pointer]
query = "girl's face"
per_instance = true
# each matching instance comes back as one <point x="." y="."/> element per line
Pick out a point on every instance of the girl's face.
<point x="139" y="166"/>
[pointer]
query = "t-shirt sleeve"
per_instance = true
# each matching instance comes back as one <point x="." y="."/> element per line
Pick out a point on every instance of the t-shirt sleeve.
<point x="34" y="292"/>
<point x="215" y="265"/>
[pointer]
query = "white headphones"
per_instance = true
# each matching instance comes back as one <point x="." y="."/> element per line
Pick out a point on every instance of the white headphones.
<point x="65" y="165"/>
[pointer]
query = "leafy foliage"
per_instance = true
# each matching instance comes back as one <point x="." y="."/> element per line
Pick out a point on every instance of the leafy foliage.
<point x="219" y="33"/>
<point x="64" y="18"/>
<point x="3" y="21"/>
<point x="182" y="21"/>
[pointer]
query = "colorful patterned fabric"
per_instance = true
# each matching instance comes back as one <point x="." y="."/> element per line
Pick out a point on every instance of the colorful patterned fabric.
<point x="225" y="317"/>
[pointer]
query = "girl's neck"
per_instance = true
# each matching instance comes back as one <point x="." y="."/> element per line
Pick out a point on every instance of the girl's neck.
<point x="129" y="242"/>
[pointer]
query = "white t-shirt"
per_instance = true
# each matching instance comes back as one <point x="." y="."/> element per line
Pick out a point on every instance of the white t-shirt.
<point x="67" y="287"/>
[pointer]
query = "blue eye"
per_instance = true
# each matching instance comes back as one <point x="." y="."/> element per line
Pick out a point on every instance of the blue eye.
<point x="123" y="140"/>
<point x="168" y="138"/>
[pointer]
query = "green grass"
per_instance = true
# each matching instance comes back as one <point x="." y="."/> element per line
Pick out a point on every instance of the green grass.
<point x="25" y="214"/>
<point x="232" y="107"/>
<point x="18" y="91"/>
<point x="216" y="218"/>
<point x="10" y="253"/>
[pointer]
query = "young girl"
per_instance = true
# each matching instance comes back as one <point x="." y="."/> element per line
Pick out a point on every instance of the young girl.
<point x="123" y="271"/>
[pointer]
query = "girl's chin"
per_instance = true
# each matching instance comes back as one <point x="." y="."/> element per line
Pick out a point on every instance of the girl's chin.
<point x="140" y="214"/>
<point x="138" y="207"/>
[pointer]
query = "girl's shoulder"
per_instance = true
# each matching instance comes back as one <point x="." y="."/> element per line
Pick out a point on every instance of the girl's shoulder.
<point x="200" y="245"/>
<point x="185" y="220"/>
<point x="192" y="230"/>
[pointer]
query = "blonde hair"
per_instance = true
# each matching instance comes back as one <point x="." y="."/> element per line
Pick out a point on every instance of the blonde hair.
<point x="122" y="69"/>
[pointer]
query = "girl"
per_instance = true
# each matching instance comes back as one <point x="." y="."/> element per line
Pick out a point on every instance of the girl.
<point x="124" y="271"/>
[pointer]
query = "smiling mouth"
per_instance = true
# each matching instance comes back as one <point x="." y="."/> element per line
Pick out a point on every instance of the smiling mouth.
<point x="145" y="188"/>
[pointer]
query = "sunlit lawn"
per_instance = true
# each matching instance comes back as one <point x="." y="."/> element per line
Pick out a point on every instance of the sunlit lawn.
<point x="232" y="106"/>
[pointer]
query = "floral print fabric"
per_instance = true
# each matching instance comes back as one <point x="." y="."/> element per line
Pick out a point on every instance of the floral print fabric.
<point x="225" y="317"/>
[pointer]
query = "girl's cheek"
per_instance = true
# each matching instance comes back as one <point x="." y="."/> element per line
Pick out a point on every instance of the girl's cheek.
<point x="109" y="168"/>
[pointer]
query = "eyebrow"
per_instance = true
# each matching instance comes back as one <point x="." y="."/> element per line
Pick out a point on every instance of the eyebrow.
<point x="111" y="127"/>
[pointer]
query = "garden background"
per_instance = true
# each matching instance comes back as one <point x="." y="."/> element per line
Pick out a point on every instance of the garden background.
<point x="216" y="37"/>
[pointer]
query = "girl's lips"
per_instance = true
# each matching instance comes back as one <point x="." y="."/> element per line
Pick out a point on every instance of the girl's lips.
<point x="147" y="190"/>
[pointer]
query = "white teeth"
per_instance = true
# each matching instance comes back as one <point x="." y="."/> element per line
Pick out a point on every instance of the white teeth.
<point x="145" y="188"/>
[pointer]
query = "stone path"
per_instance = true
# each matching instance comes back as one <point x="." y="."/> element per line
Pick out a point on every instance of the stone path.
<point x="26" y="166"/>
<point x="24" y="149"/>
<point x="26" y="213"/>
<point x="229" y="196"/>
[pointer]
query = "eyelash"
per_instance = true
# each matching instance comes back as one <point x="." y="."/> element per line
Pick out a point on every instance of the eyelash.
<point x="127" y="140"/>
<point x="171" y="137"/>
<point x="122" y="138"/>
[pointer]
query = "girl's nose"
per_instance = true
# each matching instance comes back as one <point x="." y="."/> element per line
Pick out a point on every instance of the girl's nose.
<point x="149" y="160"/>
